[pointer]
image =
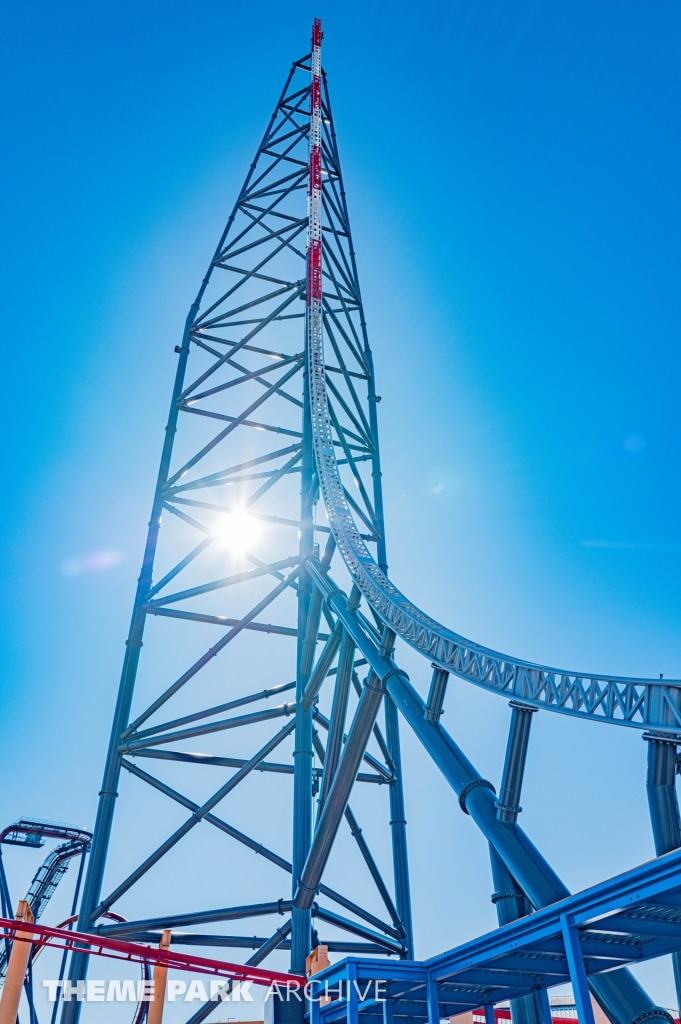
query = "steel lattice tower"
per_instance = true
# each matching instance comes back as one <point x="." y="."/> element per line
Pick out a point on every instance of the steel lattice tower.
<point x="240" y="422"/>
<point x="273" y="423"/>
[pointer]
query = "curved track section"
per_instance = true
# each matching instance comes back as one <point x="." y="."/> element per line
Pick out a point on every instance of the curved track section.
<point x="641" y="703"/>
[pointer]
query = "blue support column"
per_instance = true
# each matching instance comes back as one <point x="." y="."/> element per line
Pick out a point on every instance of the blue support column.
<point x="398" y="828"/>
<point x="303" y="753"/>
<point x="314" y="1001"/>
<point x="664" y="810"/>
<point x="388" y="1014"/>
<point x="580" y="984"/>
<point x="510" y="901"/>
<point x="543" y="997"/>
<point x="508" y="804"/>
<point x="489" y="1014"/>
<point x="5" y="903"/>
<point x="436" y="694"/>
<point x="433" y="1001"/>
<point x="352" y="1012"/>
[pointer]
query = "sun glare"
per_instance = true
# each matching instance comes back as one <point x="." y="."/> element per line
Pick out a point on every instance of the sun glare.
<point x="239" y="531"/>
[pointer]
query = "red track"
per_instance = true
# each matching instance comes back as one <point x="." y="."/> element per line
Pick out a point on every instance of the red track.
<point x="133" y="952"/>
<point x="116" y="949"/>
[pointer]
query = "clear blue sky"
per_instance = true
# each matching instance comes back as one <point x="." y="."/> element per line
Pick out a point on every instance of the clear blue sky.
<point x="513" y="179"/>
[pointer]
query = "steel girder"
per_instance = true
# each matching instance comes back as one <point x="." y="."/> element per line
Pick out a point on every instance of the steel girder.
<point x="266" y="417"/>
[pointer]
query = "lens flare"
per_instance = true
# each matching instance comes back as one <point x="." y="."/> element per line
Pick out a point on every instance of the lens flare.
<point x="239" y="532"/>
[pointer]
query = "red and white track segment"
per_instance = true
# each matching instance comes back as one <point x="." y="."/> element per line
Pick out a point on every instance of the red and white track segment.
<point x="134" y="952"/>
<point x="314" y="197"/>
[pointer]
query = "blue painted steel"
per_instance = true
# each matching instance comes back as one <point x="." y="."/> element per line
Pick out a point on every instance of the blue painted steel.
<point x="339" y="708"/>
<point x="32" y="833"/>
<point x="303" y="753"/>
<point x="619" y="991"/>
<point x="109" y="790"/>
<point x="347" y="294"/>
<point x="432" y="1002"/>
<point x="341" y="787"/>
<point x="580" y="984"/>
<point x="323" y="400"/>
<point x="191" y="822"/>
<point x="662" y="798"/>
<point x="436" y="696"/>
<point x="398" y="928"/>
<point x="664" y="810"/>
<point x="351" y="999"/>
<point x="534" y="874"/>
<point x="531" y="954"/>
<point x="510" y="901"/>
<point x="398" y="826"/>
<point x="508" y="806"/>
<point x="74" y="908"/>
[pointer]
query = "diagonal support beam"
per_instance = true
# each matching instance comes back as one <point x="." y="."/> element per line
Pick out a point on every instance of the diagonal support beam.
<point x="198" y="665"/>
<point x="234" y="424"/>
<point x="256" y="847"/>
<point x="226" y="581"/>
<point x="353" y="752"/>
<point x="268" y="947"/>
<point x="254" y="718"/>
<point x="217" y="710"/>
<point x="358" y="836"/>
<point x="198" y="917"/>
<point x="356" y="929"/>
<point x="339" y="708"/>
<point x="196" y="817"/>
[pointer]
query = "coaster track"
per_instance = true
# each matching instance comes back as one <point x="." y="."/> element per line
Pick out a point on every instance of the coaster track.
<point x="297" y="420"/>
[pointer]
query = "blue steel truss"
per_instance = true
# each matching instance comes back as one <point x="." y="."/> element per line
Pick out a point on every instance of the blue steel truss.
<point x="270" y="470"/>
<point x="627" y="920"/>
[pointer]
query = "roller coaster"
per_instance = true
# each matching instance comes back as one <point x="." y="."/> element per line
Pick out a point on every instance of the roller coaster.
<point x="32" y="834"/>
<point x="269" y="491"/>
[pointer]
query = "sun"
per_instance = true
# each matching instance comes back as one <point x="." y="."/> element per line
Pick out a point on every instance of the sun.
<point x="239" y="531"/>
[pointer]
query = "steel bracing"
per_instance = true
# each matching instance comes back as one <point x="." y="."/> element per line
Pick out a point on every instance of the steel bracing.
<point x="627" y="919"/>
<point x="269" y="493"/>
